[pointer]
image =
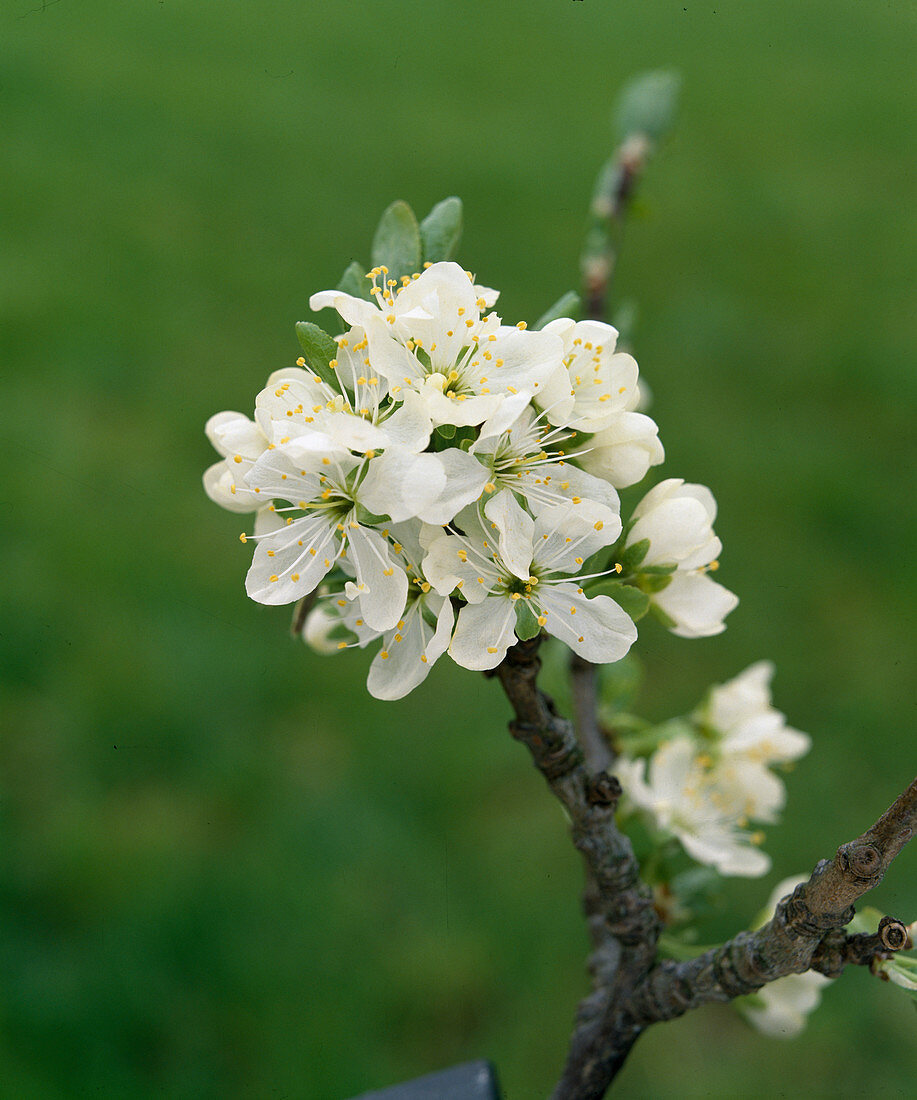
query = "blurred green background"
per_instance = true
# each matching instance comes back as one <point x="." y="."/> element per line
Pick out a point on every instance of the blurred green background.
<point x="224" y="869"/>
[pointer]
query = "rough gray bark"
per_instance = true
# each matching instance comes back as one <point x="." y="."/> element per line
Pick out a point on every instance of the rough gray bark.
<point x="631" y="988"/>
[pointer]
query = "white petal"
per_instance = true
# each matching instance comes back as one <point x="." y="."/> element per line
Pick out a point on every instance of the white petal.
<point x="291" y="563"/>
<point x="383" y="584"/>
<point x="484" y="633"/>
<point x="696" y="604"/>
<point x="515" y="529"/>
<point x="597" y="629"/>
<point x="408" y="654"/>
<point x="402" y="485"/>
<point x="465" y="479"/>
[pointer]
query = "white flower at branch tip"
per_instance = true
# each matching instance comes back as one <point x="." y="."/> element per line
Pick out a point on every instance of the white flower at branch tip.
<point x="512" y="564"/>
<point x="520" y="459"/>
<point x="412" y="646"/>
<point x="429" y="335"/>
<point x="677" y="520"/>
<point x="741" y="714"/>
<point x="597" y="383"/>
<point x="320" y="525"/>
<point x="695" y="803"/>
<point x="623" y="452"/>
<point x="241" y="442"/>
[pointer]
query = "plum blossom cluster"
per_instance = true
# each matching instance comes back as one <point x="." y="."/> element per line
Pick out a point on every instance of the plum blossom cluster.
<point x="434" y="481"/>
<point x="711" y="775"/>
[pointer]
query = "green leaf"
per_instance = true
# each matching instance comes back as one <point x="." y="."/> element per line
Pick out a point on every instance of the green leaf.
<point x="526" y="621"/>
<point x="568" y="305"/>
<point x="396" y="244"/>
<point x="441" y="230"/>
<point x="647" y="105"/>
<point x="319" y="349"/>
<point x="630" y="599"/>
<point x="354" y="282"/>
<point x="654" y="582"/>
<point x="632" y="556"/>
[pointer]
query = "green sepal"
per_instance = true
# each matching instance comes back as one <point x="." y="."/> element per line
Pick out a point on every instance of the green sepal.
<point x="647" y="105"/>
<point x="319" y="350"/>
<point x="631" y="556"/>
<point x="355" y="283"/>
<point x="441" y="230"/>
<point x="654" y="582"/>
<point x="396" y="244"/>
<point x="369" y="519"/>
<point x="526" y="621"/>
<point x="626" y="596"/>
<point x="568" y="305"/>
<point x="445" y="431"/>
<point x="667" y="621"/>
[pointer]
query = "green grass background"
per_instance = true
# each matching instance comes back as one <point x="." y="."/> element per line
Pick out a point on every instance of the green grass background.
<point x="226" y="871"/>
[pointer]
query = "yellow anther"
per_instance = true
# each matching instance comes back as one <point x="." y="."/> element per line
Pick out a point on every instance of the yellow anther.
<point x="397" y="547"/>
<point x="598" y="525"/>
<point x="237" y="458"/>
<point x="516" y="596"/>
<point x="342" y="645"/>
<point x="489" y="487"/>
<point x="425" y="587"/>
<point x="243" y="537"/>
<point x="498" y="363"/>
<point x="462" y="555"/>
<point x="577" y="500"/>
<point x="521" y="325"/>
<point x="342" y="603"/>
<point x="542" y="619"/>
<point x="565" y="485"/>
<point x="423" y="658"/>
<point x="713" y="566"/>
<point x="369" y="454"/>
<point x="383" y="653"/>
<point x="294" y="576"/>
<point x="427" y="263"/>
<point x="312" y="551"/>
<point x="274" y="578"/>
<point x="605" y="396"/>
<point x="572" y="610"/>
<point x="271" y="553"/>
<point x="325" y="462"/>
<point x="492" y="649"/>
<point x="533" y="580"/>
<point x="461" y="311"/>
<point x="386" y="572"/>
<point x="469" y="323"/>
<point x="579" y="561"/>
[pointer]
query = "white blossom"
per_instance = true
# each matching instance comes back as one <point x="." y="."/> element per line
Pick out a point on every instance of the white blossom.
<point x="429" y="335"/>
<point x="677" y="521"/>
<point x="597" y="384"/>
<point x="624" y="451"/>
<point x="695" y="803"/>
<point x="514" y="564"/>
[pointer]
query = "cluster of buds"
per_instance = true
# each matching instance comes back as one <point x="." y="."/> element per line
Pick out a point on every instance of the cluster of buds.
<point x="438" y="481"/>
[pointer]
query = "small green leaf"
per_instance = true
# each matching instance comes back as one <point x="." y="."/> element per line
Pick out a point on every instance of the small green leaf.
<point x="654" y="582"/>
<point x="445" y="431"/>
<point x="632" y="556"/>
<point x="319" y="349"/>
<point x="568" y="305"/>
<point x="354" y="282"/>
<point x="628" y="598"/>
<point x="396" y="244"/>
<point x="526" y="621"/>
<point x="647" y="105"/>
<point x="441" y="230"/>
